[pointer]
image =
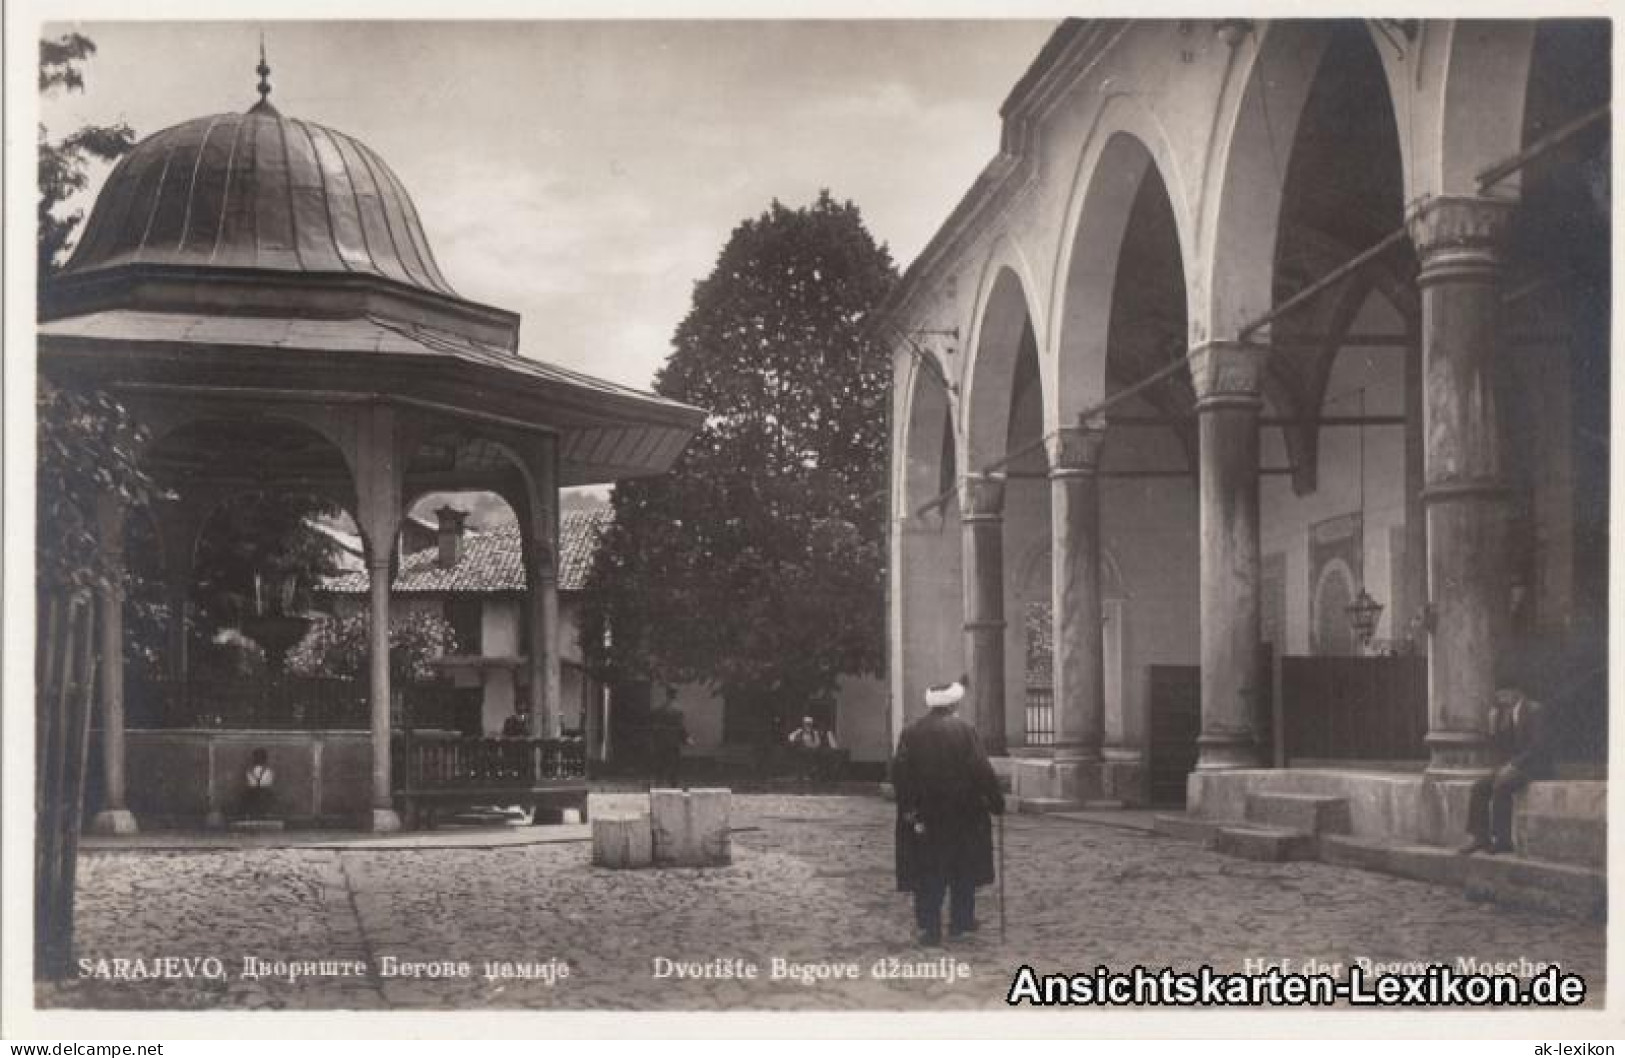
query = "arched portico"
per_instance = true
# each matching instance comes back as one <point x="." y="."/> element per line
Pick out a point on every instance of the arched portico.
<point x="1309" y="171"/>
<point x="926" y="542"/>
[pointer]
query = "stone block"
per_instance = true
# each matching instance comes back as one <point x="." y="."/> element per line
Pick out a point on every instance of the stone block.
<point x="1266" y="844"/>
<point x="1186" y="828"/>
<point x="1037" y="806"/>
<point x="1520" y="882"/>
<point x="622" y="841"/>
<point x="1578" y="840"/>
<point x="1423" y="863"/>
<point x="257" y="826"/>
<point x="1056" y="779"/>
<point x="1312" y="813"/>
<point x="689" y="828"/>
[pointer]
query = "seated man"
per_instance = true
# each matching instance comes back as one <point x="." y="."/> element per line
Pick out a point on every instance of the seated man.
<point x="813" y="748"/>
<point x="258" y="783"/>
<point x="1520" y="734"/>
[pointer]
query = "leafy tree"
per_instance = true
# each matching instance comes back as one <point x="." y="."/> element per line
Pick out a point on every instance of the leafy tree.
<point x="87" y="447"/>
<point x="87" y="440"/>
<point x="259" y="554"/>
<point x="64" y="165"/>
<point x="338" y="646"/>
<point x="756" y="566"/>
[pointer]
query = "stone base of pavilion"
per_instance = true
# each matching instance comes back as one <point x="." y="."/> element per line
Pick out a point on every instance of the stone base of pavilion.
<point x="1407" y="823"/>
<point x="1042" y="779"/>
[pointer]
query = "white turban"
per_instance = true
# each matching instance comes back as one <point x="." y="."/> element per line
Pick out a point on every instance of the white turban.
<point x="945" y="694"/>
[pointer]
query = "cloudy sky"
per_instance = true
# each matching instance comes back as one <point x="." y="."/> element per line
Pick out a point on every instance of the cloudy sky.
<point x="586" y="174"/>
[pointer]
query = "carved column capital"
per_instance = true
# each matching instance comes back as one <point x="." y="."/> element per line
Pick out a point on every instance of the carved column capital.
<point x="1455" y="235"/>
<point x="981" y="497"/>
<point x="1075" y="450"/>
<point x="1228" y="373"/>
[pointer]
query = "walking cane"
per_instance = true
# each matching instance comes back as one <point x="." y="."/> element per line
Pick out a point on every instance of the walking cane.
<point x="1001" y="877"/>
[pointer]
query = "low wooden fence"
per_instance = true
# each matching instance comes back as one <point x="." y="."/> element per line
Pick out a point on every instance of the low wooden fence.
<point x="1347" y="708"/>
<point x="424" y="763"/>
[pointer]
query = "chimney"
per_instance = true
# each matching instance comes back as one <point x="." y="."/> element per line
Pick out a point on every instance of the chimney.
<point x="450" y="535"/>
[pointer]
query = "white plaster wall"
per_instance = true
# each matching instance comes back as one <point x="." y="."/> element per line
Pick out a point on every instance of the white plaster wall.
<point x="1149" y="527"/>
<point x="499" y="628"/>
<point x="499" y="700"/>
<point x="931" y="618"/>
<point x="860" y="718"/>
<point x="1286" y="518"/>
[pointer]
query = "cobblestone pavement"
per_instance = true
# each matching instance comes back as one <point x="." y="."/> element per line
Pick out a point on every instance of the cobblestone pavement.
<point x="811" y="883"/>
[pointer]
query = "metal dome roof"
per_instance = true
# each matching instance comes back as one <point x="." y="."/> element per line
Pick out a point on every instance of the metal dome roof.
<point x="257" y="191"/>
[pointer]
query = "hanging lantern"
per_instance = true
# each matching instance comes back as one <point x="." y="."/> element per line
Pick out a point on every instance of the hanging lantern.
<point x="1364" y="613"/>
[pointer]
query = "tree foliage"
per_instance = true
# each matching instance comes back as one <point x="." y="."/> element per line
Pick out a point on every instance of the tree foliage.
<point x="756" y="566"/>
<point x="87" y="443"/>
<point x="339" y="646"/>
<point x="65" y="164"/>
<point x="259" y="554"/>
<point x="88" y="447"/>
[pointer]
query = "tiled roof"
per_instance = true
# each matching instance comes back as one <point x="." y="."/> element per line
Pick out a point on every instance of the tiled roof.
<point x="579" y="533"/>
<point x="490" y="561"/>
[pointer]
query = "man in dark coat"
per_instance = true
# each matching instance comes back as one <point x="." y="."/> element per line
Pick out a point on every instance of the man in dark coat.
<point x="668" y="734"/>
<point x="1521" y="735"/>
<point x="946" y="792"/>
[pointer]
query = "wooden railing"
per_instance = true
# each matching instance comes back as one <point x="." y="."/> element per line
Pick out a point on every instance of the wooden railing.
<point x="428" y="763"/>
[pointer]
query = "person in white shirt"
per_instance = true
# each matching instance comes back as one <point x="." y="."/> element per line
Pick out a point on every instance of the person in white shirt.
<point x="813" y="748"/>
<point x="259" y="781"/>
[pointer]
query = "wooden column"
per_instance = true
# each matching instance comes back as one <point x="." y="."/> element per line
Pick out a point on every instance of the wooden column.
<point x="1080" y="681"/>
<point x="1459" y="243"/>
<point x="115" y="816"/>
<point x="541" y="528"/>
<point x="378" y="501"/>
<point x="981" y="502"/>
<point x="1226" y="376"/>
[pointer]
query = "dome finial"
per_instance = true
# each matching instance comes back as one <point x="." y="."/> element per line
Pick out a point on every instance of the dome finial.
<point x="264" y="105"/>
<point x="264" y="71"/>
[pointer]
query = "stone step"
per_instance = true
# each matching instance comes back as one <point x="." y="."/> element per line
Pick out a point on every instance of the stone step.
<point x="1311" y="813"/>
<point x="1186" y="828"/>
<point x="1523" y="882"/>
<point x="256" y="826"/>
<point x="1423" y="863"/>
<point x="1265" y="844"/>
<point x="1104" y="805"/>
<point x="1572" y="839"/>
<point x="1037" y="806"/>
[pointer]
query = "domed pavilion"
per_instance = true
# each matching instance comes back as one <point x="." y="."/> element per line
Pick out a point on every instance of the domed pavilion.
<point x="258" y="290"/>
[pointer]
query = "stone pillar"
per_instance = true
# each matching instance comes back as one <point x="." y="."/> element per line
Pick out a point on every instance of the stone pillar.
<point x="1459" y="242"/>
<point x="383" y="799"/>
<point x="1404" y="621"/>
<point x="542" y="582"/>
<point x="1080" y="682"/>
<point x="981" y="505"/>
<point x="115" y="816"/>
<point x="378" y="495"/>
<point x="1227" y="376"/>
